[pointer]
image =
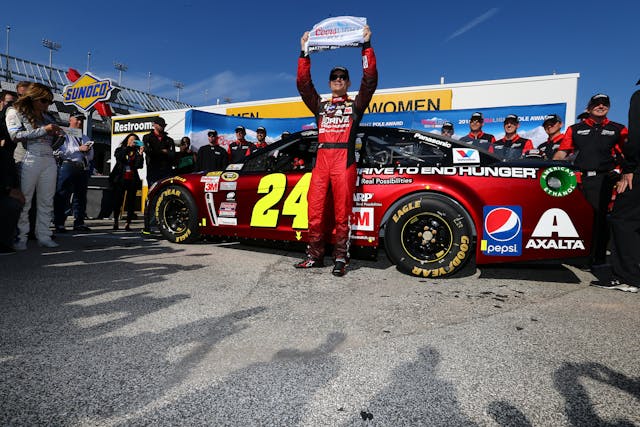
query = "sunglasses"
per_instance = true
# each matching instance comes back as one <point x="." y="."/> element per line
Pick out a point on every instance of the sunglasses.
<point x="477" y="120"/>
<point x="334" y="77"/>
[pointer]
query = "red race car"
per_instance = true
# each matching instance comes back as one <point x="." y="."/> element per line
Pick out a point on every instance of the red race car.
<point x="431" y="201"/>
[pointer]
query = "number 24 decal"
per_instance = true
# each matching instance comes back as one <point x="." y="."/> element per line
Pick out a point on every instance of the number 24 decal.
<point x="273" y="187"/>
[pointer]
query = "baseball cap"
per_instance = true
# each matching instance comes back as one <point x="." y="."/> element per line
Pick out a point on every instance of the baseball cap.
<point x="261" y="129"/>
<point x="477" y="116"/>
<point x="599" y="98"/>
<point x="339" y="68"/>
<point x="512" y="118"/>
<point x="159" y="121"/>
<point x="447" y="125"/>
<point x="78" y="115"/>
<point x="212" y="133"/>
<point x="240" y="129"/>
<point x="552" y="118"/>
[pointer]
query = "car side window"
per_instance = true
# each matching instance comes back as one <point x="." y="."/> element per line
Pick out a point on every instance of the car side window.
<point x="382" y="150"/>
<point x="297" y="154"/>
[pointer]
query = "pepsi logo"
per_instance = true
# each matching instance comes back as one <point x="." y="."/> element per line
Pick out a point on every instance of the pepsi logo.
<point x="502" y="224"/>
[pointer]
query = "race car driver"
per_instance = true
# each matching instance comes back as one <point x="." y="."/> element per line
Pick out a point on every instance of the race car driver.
<point x="337" y="120"/>
<point x="598" y="143"/>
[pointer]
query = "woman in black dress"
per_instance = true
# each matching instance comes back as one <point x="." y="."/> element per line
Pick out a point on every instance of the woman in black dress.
<point x="125" y="179"/>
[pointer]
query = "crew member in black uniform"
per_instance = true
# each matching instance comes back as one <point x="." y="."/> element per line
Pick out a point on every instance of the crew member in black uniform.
<point x="625" y="216"/>
<point x="511" y="146"/>
<point x="598" y="143"/>
<point x="476" y="136"/>
<point x="552" y="125"/>
<point x="240" y="148"/>
<point x="212" y="157"/>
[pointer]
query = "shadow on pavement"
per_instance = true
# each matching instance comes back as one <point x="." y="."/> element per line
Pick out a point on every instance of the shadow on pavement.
<point x="579" y="407"/>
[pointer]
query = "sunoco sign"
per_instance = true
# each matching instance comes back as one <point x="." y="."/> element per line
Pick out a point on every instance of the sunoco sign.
<point x="86" y="91"/>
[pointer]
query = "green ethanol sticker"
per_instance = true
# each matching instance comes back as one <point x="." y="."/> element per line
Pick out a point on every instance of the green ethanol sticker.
<point x="558" y="181"/>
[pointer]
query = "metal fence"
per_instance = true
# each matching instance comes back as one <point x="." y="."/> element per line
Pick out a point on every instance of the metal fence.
<point x="13" y="69"/>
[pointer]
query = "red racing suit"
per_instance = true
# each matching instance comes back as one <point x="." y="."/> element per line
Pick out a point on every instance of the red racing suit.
<point x="337" y="120"/>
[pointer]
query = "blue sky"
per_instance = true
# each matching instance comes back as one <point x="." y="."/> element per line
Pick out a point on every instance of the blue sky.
<point x="248" y="50"/>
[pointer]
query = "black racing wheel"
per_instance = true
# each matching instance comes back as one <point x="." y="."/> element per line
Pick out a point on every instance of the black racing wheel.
<point x="429" y="236"/>
<point x="177" y="215"/>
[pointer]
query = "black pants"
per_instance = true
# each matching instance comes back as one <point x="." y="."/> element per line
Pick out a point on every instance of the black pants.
<point x="129" y="188"/>
<point x="10" y="210"/>
<point x="625" y="228"/>
<point x="597" y="190"/>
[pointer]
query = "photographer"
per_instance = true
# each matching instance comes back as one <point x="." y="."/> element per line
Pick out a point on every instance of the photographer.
<point x="124" y="177"/>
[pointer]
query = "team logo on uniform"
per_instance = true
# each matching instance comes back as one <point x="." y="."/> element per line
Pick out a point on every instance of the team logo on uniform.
<point x="465" y="155"/>
<point x="502" y="231"/>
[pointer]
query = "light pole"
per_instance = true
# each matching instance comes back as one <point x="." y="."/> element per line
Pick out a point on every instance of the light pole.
<point x="51" y="45"/>
<point x="120" y="67"/>
<point x="149" y="82"/>
<point x="178" y="85"/>
<point x="7" y="54"/>
<point x="88" y="60"/>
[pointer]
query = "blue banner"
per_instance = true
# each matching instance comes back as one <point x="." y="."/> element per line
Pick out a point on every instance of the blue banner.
<point x="198" y="123"/>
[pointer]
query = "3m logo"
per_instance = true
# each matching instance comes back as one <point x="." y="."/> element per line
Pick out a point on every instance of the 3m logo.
<point x="362" y="219"/>
<point x="465" y="155"/>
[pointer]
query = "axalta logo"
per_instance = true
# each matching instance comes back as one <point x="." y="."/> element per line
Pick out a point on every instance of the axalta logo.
<point x="555" y="230"/>
<point x="86" y="91"/>
<point x="465" y="155"/>
<point x="502" y="231"/>
<point x="362" y="219"/>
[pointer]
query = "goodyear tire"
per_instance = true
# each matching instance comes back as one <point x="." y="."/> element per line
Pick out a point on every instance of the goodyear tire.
<point x="429" y="237"/>
<point x="177" y="215"/>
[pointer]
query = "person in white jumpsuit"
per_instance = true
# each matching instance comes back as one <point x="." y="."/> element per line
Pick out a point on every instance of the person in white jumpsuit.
<point x="29" y="124"/>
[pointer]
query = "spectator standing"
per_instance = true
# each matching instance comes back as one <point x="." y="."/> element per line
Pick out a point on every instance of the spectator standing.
<point x="28" y="123"/>
<point x="597" y="143"/>
<point x="185" y="158"/>
<point x="261" y="136"/>
<point x="74" y="157"/>
<point x="7" y="98"/>
<point x="625" y="215"/>
<point x="335" y="170"/>
<point x="552" y="125"/>
<point x="160" y="152"/>
<point x="511" y="146"/>
<point x="240" y="148"/>
<point x="447" y="130"/>
<point x="11" y="201"/>
<point x="124" y="178"/>
<point x="212" y="157"/>
<point x="476" y="136"/>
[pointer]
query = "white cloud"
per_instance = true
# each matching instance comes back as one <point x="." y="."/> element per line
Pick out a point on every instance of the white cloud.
<point x="477" y="21"/>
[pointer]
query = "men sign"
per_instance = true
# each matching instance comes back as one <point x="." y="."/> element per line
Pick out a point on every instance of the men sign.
<point x="85" y="92"/>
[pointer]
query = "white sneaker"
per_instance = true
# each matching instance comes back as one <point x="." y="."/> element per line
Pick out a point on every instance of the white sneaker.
<point x="20" y="245"/>
<point x="48" y="243"/>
